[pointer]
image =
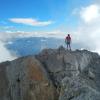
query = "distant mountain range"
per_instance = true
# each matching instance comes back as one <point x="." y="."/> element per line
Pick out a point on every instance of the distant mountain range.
<point x="33" y="45"/>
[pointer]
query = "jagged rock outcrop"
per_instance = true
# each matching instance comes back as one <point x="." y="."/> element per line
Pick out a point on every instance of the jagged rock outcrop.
<point x="53" y="74"/>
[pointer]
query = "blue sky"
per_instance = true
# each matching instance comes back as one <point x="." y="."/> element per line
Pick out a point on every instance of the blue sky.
<point x="57" y="12"/>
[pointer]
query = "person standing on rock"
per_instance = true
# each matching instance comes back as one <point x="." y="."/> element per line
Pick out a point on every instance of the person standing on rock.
<point x="68" y="41"/>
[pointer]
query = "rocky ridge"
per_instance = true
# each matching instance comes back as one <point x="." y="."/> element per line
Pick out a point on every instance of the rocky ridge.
<point x="53" y="74"/>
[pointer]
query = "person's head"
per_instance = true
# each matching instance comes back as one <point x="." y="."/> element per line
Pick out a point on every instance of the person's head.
<point x="68" y="34"/>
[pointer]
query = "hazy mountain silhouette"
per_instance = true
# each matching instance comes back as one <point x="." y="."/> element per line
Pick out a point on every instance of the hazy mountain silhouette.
<point x="33" y="45"/>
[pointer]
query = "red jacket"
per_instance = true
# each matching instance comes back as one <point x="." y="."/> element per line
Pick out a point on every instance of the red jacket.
<point x="68" y="38"/>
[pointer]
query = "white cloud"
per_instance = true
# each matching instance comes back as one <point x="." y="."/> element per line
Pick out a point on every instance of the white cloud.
<point x="7" y="27"/>
<point x="90" y="13"/>
<point x="7" y="35"/>
<point x="54" y="33"/>
<point x="4" y="53"/>
<point x="88" y="32"/>
<point x="30" y="21"/>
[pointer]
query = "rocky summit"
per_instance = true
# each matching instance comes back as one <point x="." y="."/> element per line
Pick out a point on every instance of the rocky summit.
<point x="53" y="74"/>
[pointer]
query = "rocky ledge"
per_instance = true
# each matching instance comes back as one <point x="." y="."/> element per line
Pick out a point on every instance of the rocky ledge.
<point x="53" y="74"/>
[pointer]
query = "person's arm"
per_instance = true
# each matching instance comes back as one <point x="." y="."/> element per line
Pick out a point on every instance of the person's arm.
<point x="70" y="40"/>
<point x="65" y="40"/>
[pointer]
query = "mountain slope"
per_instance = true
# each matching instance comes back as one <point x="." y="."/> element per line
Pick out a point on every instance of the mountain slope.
<point x="53" y="74"/>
